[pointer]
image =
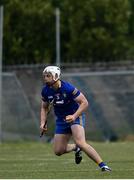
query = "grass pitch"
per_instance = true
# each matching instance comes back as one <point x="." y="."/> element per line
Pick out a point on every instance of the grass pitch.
<point x="35" y="160"/>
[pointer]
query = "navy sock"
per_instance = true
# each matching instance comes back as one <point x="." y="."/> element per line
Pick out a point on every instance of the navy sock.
<point x="102" y="164"/>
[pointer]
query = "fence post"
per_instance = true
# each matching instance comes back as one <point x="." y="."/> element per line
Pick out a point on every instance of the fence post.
<point x="57" y="37"/>
<point x="1" y="44"/>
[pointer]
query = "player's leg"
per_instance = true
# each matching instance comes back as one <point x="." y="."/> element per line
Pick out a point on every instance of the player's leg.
<point x="78" y="134"/>
<point x="61" y="145"/>
<point x="79" y="138"/>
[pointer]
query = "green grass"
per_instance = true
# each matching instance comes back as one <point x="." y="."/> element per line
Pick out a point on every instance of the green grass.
<point x="37" y="161"/>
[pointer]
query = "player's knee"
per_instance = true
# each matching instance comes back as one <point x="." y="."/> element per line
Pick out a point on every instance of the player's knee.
<point x="80" y="143"/>
<point x="58" y="152"/>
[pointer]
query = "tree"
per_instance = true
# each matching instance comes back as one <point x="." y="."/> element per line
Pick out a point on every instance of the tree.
<point x="131" y="30"/>
<point x="29" y="35"/>
<point x="91" y="30"/>
<point x="97" y="29"/>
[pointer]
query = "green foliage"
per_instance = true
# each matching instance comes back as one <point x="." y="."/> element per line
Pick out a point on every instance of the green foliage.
<point x="131" y="29"/>
<point x="90" y="30"/>
<point x="28" y="37"/>
<point x="98" y="29"/>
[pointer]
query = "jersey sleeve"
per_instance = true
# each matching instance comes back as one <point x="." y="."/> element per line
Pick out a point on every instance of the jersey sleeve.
<point x="73" y="91"/>
<point x="44" y="95"/>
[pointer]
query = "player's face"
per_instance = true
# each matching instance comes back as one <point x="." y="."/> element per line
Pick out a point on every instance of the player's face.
<point x="48" y="78"/>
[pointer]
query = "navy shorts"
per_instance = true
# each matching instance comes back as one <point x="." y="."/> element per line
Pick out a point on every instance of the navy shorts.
<point x="63" y="127"/>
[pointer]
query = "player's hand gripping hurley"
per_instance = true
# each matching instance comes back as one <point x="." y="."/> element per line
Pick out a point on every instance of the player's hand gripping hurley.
<point x="43" y="131"/>
<point x="45" y="125"/>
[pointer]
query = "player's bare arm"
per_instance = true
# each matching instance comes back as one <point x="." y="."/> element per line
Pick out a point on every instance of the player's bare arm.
<point x="83" y="104"/>
<point x="44" y="112"/>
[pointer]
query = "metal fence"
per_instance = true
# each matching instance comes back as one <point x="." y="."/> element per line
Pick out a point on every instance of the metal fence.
<point x="18" y="119"/>
<point x="111" y="102"/>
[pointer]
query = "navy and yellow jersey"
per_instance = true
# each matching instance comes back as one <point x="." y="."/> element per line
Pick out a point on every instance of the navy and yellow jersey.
<point x="62" y="99"/>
